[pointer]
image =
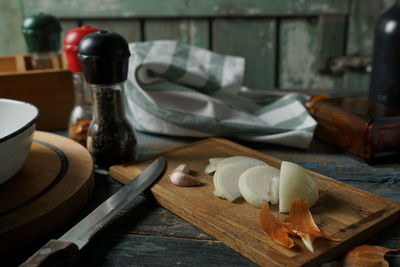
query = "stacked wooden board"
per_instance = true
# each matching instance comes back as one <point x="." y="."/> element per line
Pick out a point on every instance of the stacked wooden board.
<point x="50" y="189"/>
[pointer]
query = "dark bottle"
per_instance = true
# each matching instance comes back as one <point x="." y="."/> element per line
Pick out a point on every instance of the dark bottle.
<point x="42" y="37"/>
<point x="111" y="138"/>
<point x="385" y="78"/>
<point x="81" y="114"/>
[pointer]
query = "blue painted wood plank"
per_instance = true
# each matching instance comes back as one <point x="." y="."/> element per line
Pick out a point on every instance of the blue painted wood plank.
<point x="177" y="8"/>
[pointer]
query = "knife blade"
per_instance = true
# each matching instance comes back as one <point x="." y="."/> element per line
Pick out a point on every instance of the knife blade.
<point x="65" y="250"/>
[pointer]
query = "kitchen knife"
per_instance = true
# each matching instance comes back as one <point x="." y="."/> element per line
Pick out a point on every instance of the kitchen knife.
<point x="65" y="250"/>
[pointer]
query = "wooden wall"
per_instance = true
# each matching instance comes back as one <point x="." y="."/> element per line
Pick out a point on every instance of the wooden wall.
<point x="285" y="42"/>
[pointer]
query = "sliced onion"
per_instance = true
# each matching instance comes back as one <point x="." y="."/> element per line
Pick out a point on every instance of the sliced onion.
<point x="296" y="183"/>
<point x="209" y="169"/>
<point x="258" y="184"/>
<point x="212" y="167"/>
<point x="214" y="161"/>
<point x="226" y="180"/>
<point x="241" y="159"/>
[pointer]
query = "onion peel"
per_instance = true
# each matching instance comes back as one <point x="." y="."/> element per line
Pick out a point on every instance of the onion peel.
<point x="367" y="256"/>
<point x="301" y="222"/>
<point x="275" y="229"/>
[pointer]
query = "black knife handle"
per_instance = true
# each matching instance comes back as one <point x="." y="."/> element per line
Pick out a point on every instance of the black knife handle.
<point x="54" y="253"/>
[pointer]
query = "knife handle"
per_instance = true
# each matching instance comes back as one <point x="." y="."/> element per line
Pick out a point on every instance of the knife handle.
<point x="54" y="253"/>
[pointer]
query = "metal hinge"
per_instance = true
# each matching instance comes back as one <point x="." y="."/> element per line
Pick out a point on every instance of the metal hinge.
<point x="340" y="65"/>
<point x="331" y="48"/>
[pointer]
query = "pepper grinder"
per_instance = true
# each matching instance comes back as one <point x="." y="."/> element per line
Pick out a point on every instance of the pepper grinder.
<point x="81" y="114"/>
<point x="42" y="37"/>
<point x="104" y="58"/>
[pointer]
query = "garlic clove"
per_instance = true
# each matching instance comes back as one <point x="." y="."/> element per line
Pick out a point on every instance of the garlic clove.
<point x="181" y="168"/>
<point x="182" y="179"/>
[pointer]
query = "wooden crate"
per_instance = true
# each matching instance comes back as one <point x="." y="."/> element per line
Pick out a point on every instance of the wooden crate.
<point x="51" y="90"/>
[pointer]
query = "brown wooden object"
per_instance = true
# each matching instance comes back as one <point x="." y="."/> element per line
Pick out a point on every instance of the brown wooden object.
<point x="366" y="129"/>
<point x="342" y="211"/>
<point x="52" y="186"/>
<point x="51" y="90"/>
<point x="54" y="253"/>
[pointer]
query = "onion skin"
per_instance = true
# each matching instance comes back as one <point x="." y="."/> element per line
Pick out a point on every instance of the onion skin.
<point x="301" y="222"/>
<point x="275" y="229"/>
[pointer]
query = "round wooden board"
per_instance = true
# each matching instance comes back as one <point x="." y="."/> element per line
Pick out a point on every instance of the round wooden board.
<point x="52" y="186"/>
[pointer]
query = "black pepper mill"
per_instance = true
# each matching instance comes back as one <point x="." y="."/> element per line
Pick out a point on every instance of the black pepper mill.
<point x="104" y="58"/>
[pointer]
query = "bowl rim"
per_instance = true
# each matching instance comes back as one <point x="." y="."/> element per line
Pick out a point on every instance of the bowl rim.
<point x="26" y="126"/>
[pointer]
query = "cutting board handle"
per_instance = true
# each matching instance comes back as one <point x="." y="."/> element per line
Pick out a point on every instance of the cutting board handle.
<point x="54" y="253"/>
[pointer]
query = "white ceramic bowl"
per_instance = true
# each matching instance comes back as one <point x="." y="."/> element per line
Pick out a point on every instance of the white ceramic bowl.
<point x="17" y="124"/>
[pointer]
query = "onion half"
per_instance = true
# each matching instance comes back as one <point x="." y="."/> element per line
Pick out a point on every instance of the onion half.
<point x="296" y="183"/>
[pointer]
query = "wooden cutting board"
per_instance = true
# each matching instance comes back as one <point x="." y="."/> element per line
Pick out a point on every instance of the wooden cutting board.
<point x="343" y="212"/>
<point x="52" y="186"/>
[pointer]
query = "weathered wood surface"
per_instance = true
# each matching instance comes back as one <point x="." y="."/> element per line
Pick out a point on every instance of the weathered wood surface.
<point x="35" y="208"/>
<point x="298" y="65"/>
<point x="237" y="224"/>
<point x="304" y="38"/>
<point x="66" y="26"/>
<point x="11" y="41"/>
<point x="188" y="31"/>
<point x="176" y="8"/>
<point x="242" y="37"/>
<point x="146" y="233"/>
<point x="363" y="17"/>
<point x="129" y="28"/>
<point x="331" y="40"/>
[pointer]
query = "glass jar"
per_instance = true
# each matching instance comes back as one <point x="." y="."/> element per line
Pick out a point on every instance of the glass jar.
<point x="111" y="138"/>
<point x="81" y="114"/>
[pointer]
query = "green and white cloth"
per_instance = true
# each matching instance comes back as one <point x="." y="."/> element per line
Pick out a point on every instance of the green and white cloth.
<point x="181" y="90"/>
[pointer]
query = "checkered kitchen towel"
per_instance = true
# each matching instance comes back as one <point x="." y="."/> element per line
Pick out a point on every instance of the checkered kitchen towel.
<point x="180" y="90"/>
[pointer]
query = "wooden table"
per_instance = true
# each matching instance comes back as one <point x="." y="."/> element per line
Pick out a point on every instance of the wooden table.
<point x="148" y="235"/>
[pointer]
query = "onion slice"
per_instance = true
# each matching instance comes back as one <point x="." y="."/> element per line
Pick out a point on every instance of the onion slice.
<point x="259" y="184"/>
<point x="212" y="167"/>
<point x="226" y="180"/>
<point x="275" y="229"/>
<point x="296" y="183"/>
<point x="214" y="161"/>
<point x="241" y="159"/>
<point x="209" y="169"/>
